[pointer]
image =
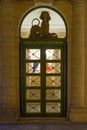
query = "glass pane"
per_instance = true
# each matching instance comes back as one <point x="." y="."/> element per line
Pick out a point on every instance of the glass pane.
<point x="53" y="67"/>
<point x="33" y="107"/>
<point x="53" y="107"/>
<point x="53" y="54"/>
<point x="32" y="94"/>
<point x="32" y="54"/>
<point x="56" y="23"/>
<point x="53" y="94"/>
<point x="32" y="81"/>
<point x="33" y="67"/>
<point x="53" y="81"/>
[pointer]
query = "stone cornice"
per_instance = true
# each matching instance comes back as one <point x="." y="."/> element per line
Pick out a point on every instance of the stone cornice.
<point x="46" y="1"/>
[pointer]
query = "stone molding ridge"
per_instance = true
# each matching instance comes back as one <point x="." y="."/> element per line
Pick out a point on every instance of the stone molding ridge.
<point x="42" y="2"/>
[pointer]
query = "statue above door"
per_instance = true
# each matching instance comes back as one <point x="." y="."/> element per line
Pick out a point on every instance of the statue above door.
<point x="42" y="31"/>
<point x="43" y="22"/>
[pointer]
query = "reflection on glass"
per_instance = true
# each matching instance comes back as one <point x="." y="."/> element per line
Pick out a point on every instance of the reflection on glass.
<point x="53" y="54"/>
<point x="32" y="81"/>
<point x="53" y="67"/>
<point x="33" y="94"/>
<point x="33" y="67"/>
<point x="53" y="94"/>
<point x="53" y="81"/>
<point x="32" y="54"/>
<point x="53" y="107"/>
<point x="33" y="107"/>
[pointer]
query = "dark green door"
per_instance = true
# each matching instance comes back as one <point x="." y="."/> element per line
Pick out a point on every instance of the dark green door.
<point x="43" y="78"/>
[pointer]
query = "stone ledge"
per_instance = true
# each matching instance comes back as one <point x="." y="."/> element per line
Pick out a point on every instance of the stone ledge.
<point x="46" y="120"/>
<point x="8" y="115"/>
<point x="78" y="114"/>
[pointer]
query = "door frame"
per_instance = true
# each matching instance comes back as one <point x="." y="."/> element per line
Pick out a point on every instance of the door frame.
<point x="25" y="43"/>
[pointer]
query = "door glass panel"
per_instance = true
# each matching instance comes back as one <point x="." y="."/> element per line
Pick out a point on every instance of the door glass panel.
<point x="33" y="107"/>
<point x="32" y="94"/>
<point x="53" y="54"/>
<point x="32" y="54"/>
<point x="52" y="107"/>
<point x="33" y="67"/>
<point x="53" y="67"/>
<point x="53" y="81"/>
<point x="32" y="81"/>
<point x="53" y="94"/>
<point x="42" y="76"/>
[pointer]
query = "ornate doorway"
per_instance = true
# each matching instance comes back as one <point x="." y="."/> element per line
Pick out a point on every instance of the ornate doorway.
<point x="42" y="72"/>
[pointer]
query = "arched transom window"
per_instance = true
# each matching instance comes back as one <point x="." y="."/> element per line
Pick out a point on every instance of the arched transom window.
<point x="56" y="22"/>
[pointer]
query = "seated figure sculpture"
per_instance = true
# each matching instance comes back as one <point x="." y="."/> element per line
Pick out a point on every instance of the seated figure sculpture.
<point x="45" y="23"/>
<point x="43" y="30"/>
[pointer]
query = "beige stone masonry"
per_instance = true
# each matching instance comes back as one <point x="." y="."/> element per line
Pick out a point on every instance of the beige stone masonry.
<point x="78" y="115"/>
<point x="86" y="54"/>
<point x="8" y="55"/>
<point x="78" y="63"/>
<point x="78" y="53"/>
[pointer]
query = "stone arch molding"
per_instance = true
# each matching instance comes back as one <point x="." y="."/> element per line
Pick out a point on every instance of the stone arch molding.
<point x="57" y="25"/>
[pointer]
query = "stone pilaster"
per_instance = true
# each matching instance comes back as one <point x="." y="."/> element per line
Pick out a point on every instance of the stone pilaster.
<point x="0" y="54"/>
<point x="78" y="53"/>
<point x="8" y="57"/>
<point x="6" y="41"/>
<point x="78" y="60"/>
<point x="86" y="55"/>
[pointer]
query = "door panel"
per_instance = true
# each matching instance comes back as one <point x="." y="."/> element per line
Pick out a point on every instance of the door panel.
<point x="42" y="77"/>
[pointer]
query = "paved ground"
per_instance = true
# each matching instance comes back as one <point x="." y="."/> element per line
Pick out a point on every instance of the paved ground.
<point x="43" y="127"/>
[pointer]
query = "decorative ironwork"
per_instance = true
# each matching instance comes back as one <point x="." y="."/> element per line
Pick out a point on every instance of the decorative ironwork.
<point x="33" y="81"/>
<point x="53" y="94"/>
<point x="33" y="107"/>
<point x="33" y="67"/>
<point x="42" y="31"/>
<point x="32" y="54"/>
<point x="53" y="54"/>
<point x="33" y="94"/>
<point x="53" y="81"/>
<point x="43" y="79"/>
<point x="53" y="107"/>
<point x="53" y="67"/>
